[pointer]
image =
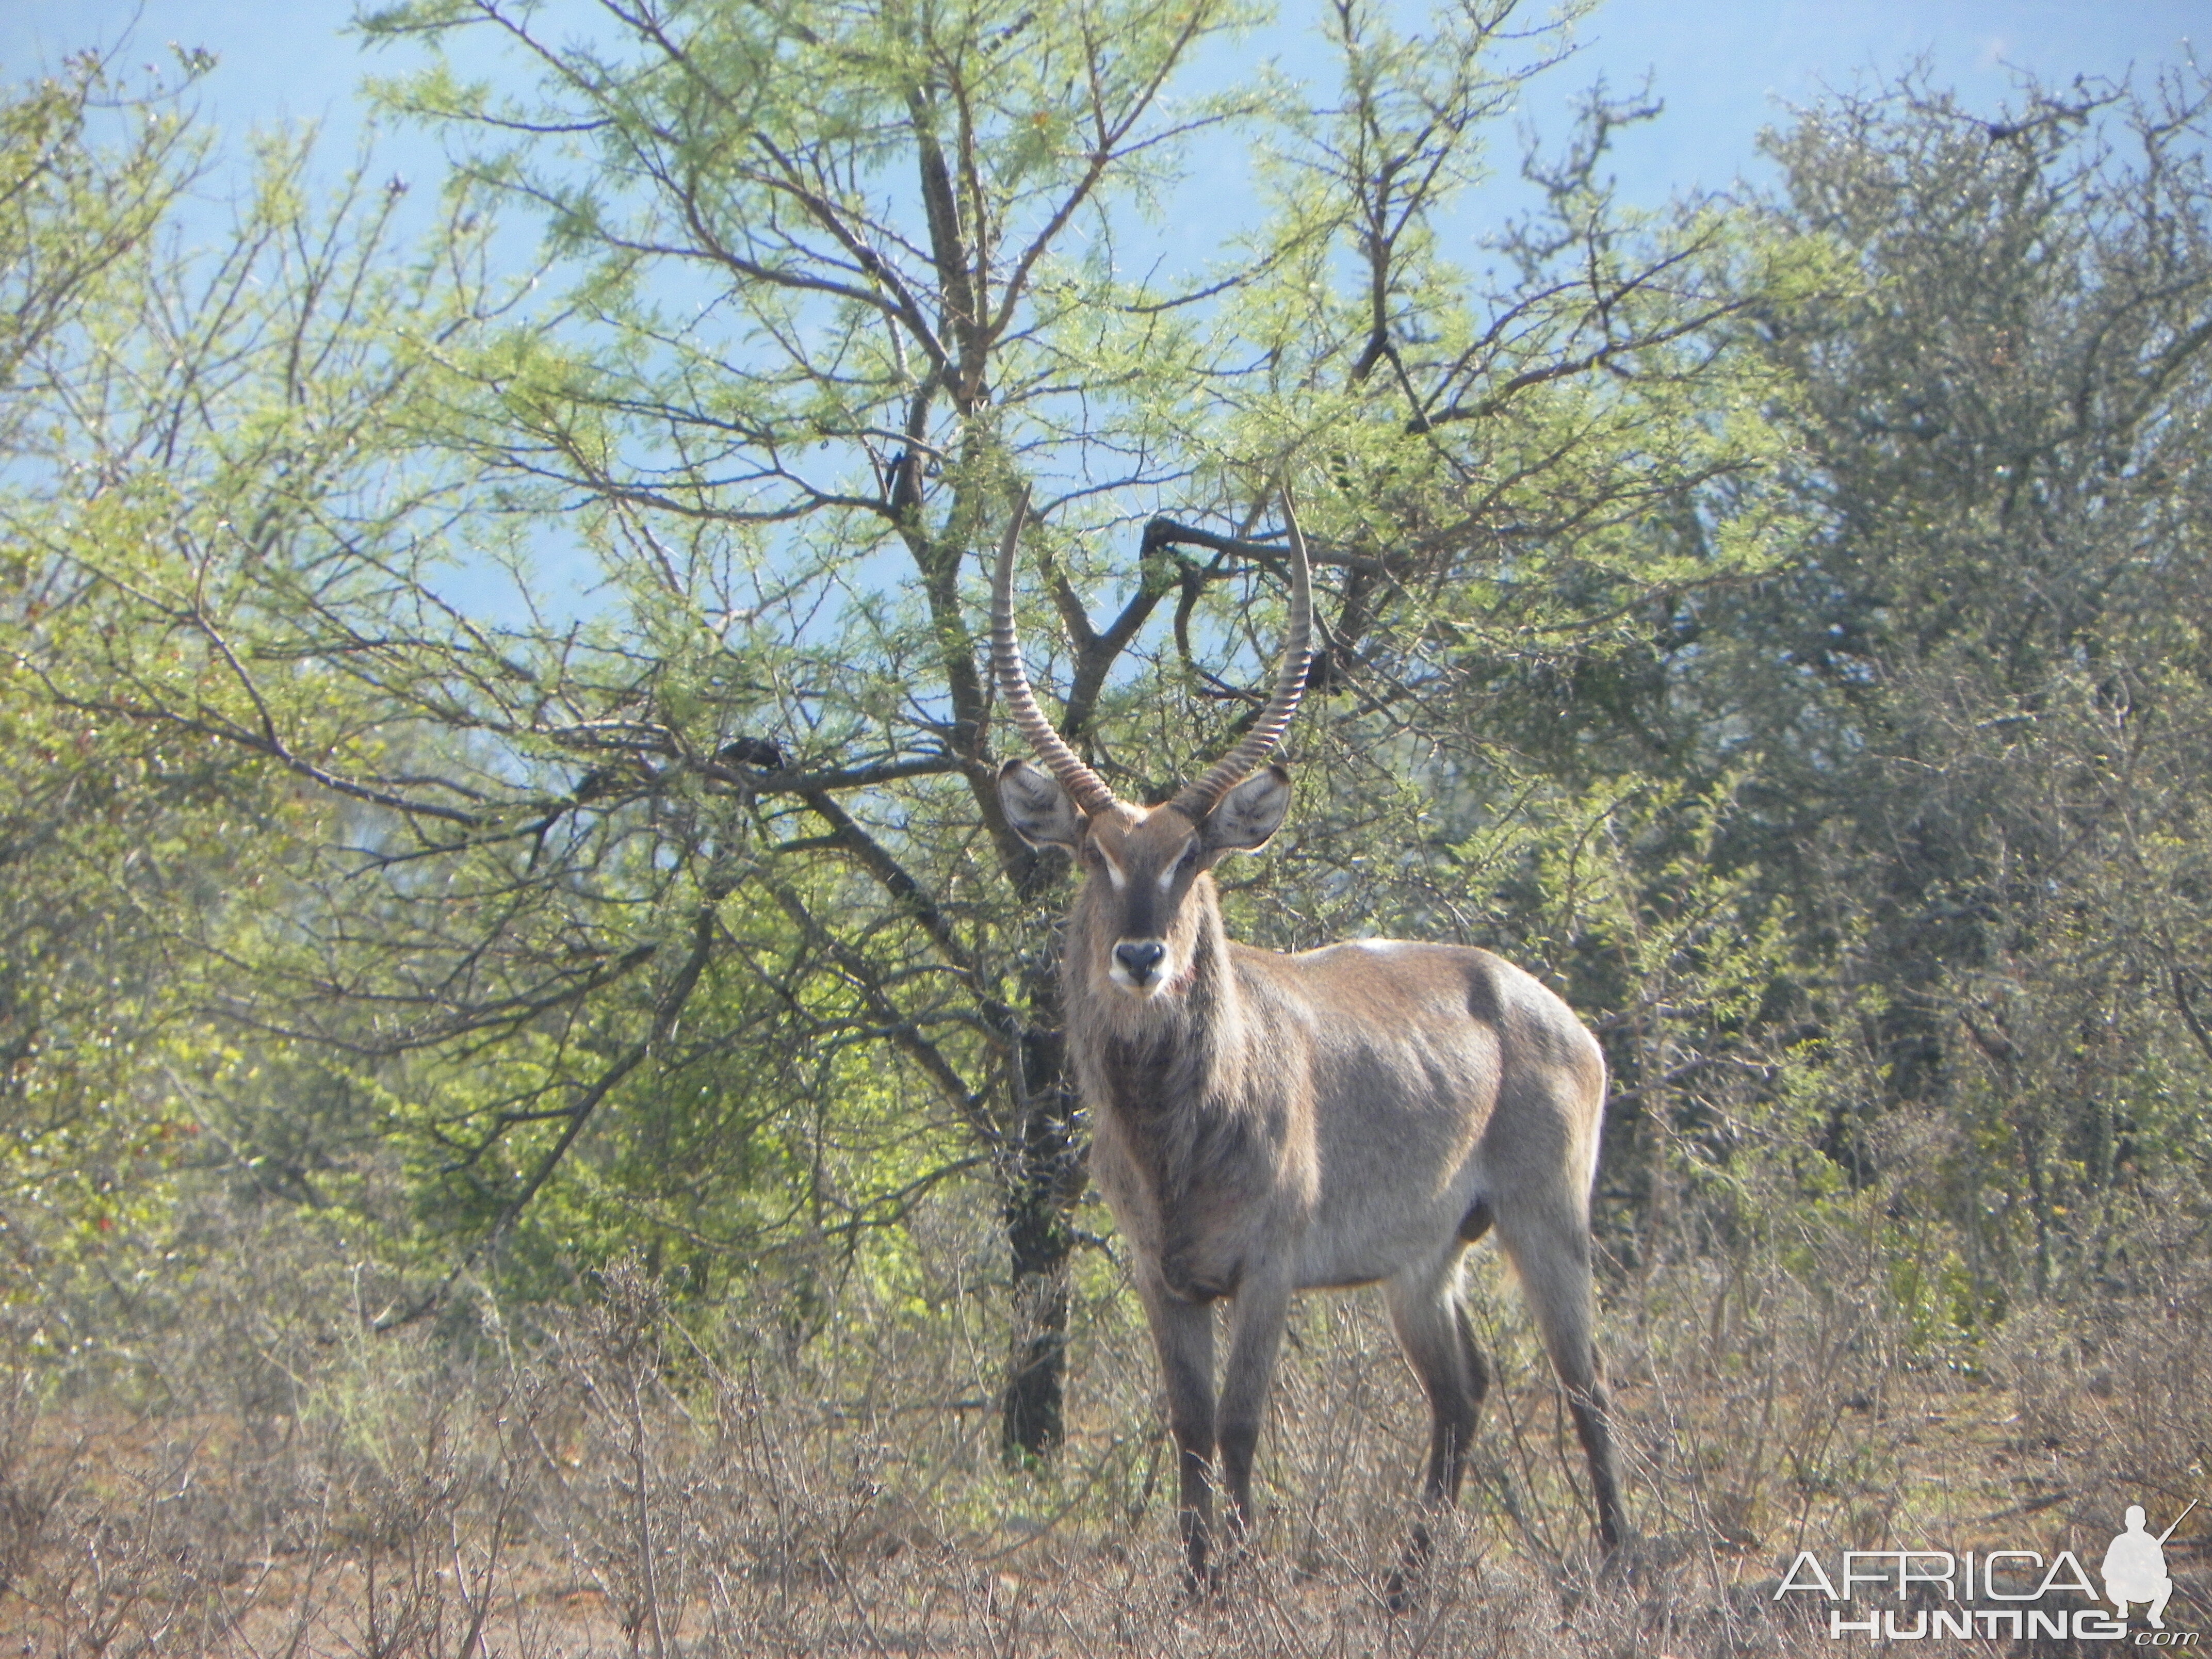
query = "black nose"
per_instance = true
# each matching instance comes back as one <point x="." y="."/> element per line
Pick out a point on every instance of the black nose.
<point x="1140" y="958"/>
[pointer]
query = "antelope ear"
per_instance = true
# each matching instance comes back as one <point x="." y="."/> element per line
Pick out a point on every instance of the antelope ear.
<point x="1038" y="808"/>
<point x="1247" y="816"/>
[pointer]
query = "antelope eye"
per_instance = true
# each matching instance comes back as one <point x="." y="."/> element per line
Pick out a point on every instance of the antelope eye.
<point x="1189" y="856"/>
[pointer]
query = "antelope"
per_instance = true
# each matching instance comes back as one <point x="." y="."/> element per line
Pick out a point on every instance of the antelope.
<point x="1264" y="1123"/>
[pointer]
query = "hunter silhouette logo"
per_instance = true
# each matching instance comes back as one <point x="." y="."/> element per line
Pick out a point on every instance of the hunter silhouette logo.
<point x="2135" y="1566"/>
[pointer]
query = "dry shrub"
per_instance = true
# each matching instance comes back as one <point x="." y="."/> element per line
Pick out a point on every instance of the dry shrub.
<point x="2115" y="1407"/>
<point x="36" y="1473"/>
<point x="265" y="1474"/>
<point x="2121" y="1387"/>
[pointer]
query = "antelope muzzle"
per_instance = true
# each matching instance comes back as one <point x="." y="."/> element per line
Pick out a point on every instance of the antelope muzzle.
<point x="1138" y="964"/>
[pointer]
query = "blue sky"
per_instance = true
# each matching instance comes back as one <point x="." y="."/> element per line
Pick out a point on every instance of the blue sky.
<point x="1725" y="68"/>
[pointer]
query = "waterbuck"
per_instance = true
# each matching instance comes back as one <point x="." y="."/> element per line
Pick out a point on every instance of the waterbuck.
<point x="1265" y="1123"/>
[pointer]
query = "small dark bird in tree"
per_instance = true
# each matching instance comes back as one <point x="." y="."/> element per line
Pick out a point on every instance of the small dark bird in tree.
<point x="762" y="752"/>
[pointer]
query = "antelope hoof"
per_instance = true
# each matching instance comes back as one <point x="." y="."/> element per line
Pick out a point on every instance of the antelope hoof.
<point x="1402" y="1590"/>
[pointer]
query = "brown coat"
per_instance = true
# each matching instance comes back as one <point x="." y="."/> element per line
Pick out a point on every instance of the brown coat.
<point x="1267" y="1123"/>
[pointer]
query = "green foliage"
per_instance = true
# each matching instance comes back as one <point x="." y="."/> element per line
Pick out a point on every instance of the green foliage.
<point x="1976" y="700"/>
<point x="188" y="483"/>
<point x="104" y="832"/>
<point x="831" y="283"/>
<point x="694" y="921"/>
<point x="1781" y="626"/>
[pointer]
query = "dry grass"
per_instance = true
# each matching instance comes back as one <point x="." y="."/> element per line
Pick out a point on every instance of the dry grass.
<point x="268" y="1479"/>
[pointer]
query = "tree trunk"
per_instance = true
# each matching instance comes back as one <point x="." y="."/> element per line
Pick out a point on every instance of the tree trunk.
<point x="1044" y="1180"/>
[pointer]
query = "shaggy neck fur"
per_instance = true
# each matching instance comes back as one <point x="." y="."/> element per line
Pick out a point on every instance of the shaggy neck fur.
<point x="1156" y="1062"/>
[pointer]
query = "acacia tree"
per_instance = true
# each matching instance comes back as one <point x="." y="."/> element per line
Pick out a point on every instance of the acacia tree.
<point x="839" y="279"/>
<point x="614" y="911"/>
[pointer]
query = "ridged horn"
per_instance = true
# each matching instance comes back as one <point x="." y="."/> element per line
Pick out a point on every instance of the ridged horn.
<point x="1085" y="787"/>
<point x="1199" y="798"/>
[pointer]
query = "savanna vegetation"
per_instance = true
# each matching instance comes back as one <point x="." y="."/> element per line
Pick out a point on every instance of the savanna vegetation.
<point x="532" y="1117"/>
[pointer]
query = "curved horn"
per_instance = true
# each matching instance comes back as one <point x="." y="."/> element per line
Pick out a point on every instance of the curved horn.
<point x="1199" y="798"/>
<point x="1085" y="787"/>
